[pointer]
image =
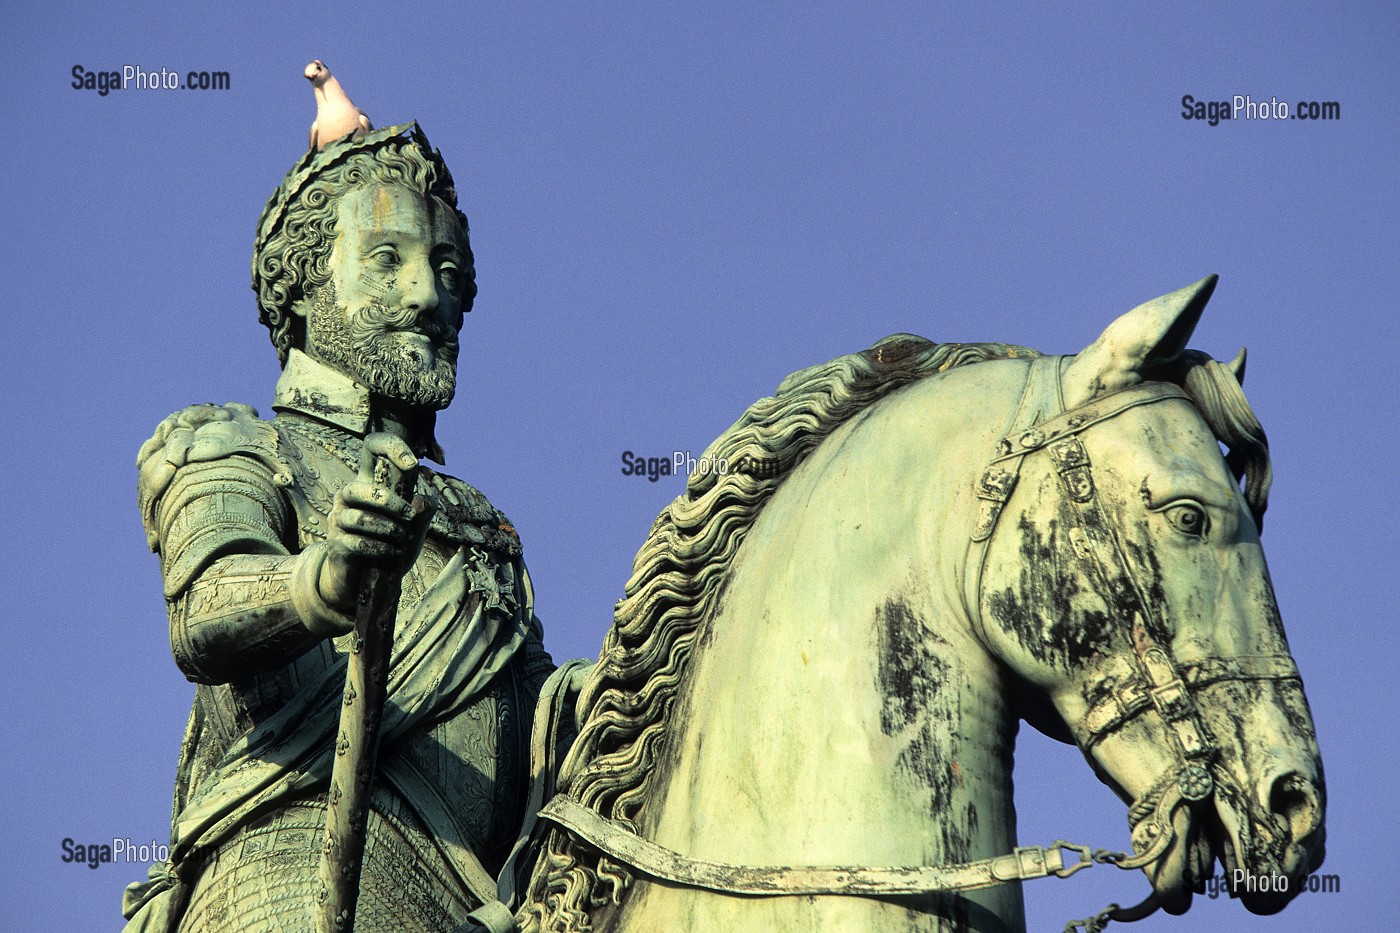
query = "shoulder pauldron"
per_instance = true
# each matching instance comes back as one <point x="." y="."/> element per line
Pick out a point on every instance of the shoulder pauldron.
<point x="201" y="434"/>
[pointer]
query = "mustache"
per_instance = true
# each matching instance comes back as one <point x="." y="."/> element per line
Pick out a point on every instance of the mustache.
<point x="386" y="320"/>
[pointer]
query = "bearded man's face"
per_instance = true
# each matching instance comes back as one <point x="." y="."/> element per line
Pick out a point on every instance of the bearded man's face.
<point x="390" y="314"/>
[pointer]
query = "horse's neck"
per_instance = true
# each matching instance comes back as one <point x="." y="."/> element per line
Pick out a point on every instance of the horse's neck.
<point x="838" y="710"/>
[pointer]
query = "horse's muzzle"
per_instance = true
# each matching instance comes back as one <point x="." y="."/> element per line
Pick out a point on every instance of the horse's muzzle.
<point x="1270" y="850"/>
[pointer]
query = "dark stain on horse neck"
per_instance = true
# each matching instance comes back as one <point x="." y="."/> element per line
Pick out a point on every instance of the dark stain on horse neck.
<point x="920" y="707"/>
<point x="910" y="674"/>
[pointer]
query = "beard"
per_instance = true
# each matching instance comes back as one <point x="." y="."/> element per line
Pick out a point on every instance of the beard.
<point x="378" y="350"/>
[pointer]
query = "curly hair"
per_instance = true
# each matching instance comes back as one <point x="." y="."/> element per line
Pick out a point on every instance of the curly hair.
<point x="293" y="259"/>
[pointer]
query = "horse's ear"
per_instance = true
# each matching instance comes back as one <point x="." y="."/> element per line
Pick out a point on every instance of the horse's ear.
<point x="1145" y="338"/>
<point x="1236" y="366"/>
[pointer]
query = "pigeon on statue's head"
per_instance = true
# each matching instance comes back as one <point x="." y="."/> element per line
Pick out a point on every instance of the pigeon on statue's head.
<point x="336" y="114"/>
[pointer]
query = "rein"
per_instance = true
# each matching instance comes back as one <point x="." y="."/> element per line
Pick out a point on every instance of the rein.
<point x="613" y="839"/>
<point x="1040" y="424"/>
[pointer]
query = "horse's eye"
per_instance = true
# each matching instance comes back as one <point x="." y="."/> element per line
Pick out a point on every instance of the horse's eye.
<point x="1187" y="518"/>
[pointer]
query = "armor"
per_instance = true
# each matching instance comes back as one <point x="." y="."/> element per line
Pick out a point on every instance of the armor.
<point x="237" y="508"/>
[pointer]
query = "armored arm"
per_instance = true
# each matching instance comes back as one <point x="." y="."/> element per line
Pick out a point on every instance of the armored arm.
<point x="239" y="601"/>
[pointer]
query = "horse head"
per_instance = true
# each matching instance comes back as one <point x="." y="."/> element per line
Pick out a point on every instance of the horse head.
<point x="1117" y="571"/>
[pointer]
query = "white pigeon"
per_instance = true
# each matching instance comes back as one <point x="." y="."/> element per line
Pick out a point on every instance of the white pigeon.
<point x="336" y="114"/>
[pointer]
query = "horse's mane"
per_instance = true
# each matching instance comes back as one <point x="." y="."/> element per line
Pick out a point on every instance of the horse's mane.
<point x="1221" y="402"/>
<point x="678" y="575"/>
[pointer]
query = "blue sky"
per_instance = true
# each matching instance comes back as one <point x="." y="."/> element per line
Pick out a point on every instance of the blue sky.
<point x="673" y="206"/>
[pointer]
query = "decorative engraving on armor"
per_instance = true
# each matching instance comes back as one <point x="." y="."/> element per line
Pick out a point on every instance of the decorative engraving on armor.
<point x="211" y="507"/>
<point x="479" y="746"/>
<point x="260" y="882"/>
<point x="237" y="592"/>
<point x="237" y="618"/>
<point x="431" y="561"/>
<point x="461" y="515"/>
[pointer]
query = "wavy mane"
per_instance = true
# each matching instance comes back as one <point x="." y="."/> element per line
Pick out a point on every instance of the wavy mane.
<point x="676" y="578"/>
<point x="1220" y="399"/>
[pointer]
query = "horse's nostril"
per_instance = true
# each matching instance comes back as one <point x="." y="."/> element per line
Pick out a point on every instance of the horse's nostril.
<point x="1294" y="800"/>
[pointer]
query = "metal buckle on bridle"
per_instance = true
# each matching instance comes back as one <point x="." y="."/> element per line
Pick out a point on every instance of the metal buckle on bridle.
<point x="1085" y="860"/>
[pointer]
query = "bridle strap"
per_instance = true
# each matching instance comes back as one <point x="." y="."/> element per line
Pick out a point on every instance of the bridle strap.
<point x="618" y="842"/>
<point x="1135" y="695"/>
<point x="1157" y="681"/>
<point x="1041" y="397"/>
<point x="1040" y="421"/>
<point x="1155" y="673"/>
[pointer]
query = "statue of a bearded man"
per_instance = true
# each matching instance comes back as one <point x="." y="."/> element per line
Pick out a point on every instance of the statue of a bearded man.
<point x="267" y="530"/>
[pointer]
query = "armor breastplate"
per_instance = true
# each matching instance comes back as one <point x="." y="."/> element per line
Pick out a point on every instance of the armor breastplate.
<point x="477" y="757"/>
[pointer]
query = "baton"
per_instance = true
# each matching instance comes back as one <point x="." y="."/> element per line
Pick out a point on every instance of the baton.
<point x="357" y="739"/>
